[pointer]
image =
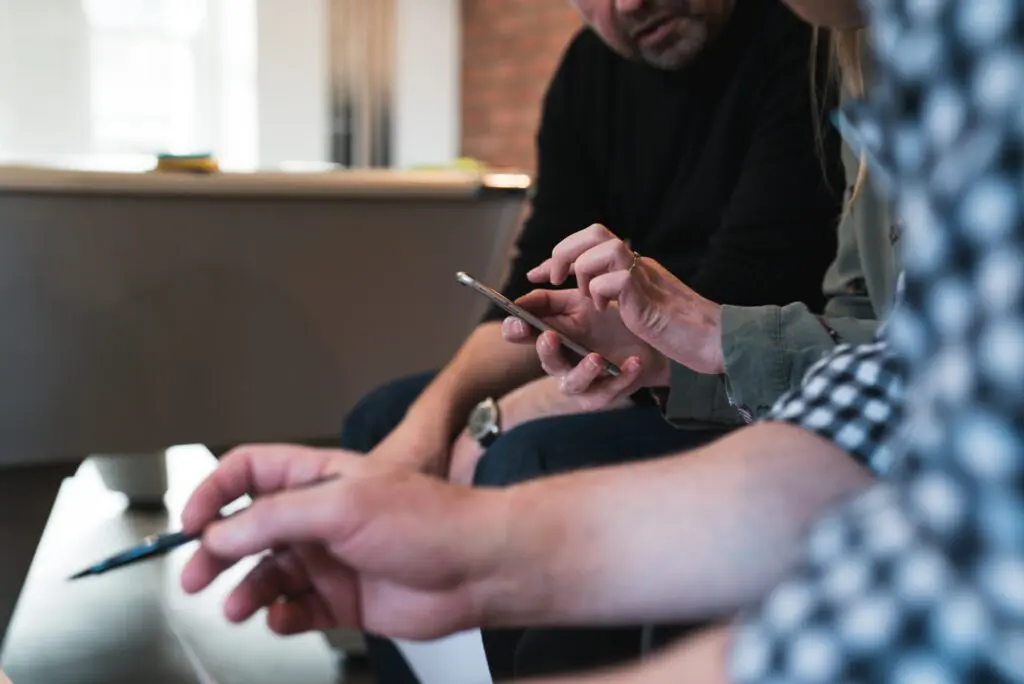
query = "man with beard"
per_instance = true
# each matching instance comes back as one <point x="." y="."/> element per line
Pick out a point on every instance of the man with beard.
<point x="692" y="129"/>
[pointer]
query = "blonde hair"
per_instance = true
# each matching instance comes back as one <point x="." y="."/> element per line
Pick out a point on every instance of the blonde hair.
<point x="846" y="66"/>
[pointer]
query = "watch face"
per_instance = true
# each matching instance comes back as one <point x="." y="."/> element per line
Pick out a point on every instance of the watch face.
<point x="483" y="419"/>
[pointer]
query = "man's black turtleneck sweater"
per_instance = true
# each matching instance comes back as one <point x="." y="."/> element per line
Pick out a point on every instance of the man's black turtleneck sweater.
<point x="718" y="170"/>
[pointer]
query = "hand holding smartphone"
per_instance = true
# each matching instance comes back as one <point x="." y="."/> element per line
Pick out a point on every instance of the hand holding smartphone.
<point x="521" y="313"/>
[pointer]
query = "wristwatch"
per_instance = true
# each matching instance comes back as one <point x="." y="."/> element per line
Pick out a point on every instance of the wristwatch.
<point x="484" y="423"/>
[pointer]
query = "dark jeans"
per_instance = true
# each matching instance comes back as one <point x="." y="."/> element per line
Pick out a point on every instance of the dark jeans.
<point x="535" y="449"/>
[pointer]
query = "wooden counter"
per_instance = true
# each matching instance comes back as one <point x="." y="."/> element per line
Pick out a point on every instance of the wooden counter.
<point x="147" y="310"/>
<point x="330" y="184"/>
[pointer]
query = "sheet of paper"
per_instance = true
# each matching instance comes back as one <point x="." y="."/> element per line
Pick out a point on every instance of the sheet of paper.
<point x="458" y="659"/>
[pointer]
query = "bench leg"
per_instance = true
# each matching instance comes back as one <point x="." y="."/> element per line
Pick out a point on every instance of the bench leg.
<point x="26" y="499"/>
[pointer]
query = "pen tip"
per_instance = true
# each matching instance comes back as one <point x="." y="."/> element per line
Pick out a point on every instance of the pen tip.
<point x="80" y="575"/>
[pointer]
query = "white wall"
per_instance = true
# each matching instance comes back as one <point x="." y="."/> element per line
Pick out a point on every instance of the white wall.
<point x="50" y="83"/>
<point x="426" y="124"/>
<point x="278" y="112"/>
<point x="293" y="88"/>
<point x="292" y="81"/>
<point x="237" y="127"/>
<point x="44" y="67"/>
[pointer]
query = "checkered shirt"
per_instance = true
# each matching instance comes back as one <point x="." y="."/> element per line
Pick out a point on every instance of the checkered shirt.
<point x="853" y="397"/>
<point x="921" y="580"/>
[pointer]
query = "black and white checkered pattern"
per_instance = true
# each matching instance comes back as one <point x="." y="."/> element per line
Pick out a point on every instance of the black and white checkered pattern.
<point x="853" y="397"/>
<point x="922" y="578"/>
<point x="877" y="601"/>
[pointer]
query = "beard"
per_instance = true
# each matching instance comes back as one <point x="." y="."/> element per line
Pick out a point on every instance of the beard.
<point x="666" y="34"/>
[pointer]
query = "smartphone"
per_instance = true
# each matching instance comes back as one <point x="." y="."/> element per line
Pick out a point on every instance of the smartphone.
<point x="519" y="312"/>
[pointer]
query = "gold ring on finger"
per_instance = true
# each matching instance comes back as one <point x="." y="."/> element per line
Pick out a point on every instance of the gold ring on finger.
<point x="633" y="263"/>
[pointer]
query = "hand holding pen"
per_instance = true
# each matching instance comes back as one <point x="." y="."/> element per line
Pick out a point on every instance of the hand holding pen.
<point x="383" y="548"/>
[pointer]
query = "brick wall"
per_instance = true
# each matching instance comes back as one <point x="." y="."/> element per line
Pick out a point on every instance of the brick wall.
<point x="510" y="49"/>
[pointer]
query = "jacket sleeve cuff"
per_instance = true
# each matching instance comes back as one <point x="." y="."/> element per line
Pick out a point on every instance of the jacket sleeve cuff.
<point x="699" y="401"/>
<point x="766" y="350"/>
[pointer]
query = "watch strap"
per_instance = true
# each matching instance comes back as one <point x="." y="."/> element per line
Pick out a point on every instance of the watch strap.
<point x="490" y="438"/>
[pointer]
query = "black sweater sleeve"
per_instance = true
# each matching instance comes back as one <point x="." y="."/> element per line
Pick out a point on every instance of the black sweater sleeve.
<point x="564" y="197"/>
<point x="778" y="234"/>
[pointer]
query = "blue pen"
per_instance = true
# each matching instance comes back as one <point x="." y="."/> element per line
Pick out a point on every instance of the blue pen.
<point x="160" y="544"/>
<point x="151" y="547"/>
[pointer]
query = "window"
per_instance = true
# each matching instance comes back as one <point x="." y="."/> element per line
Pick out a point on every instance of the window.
<point x="144" y="75"/>
<point x="109" y="83"/>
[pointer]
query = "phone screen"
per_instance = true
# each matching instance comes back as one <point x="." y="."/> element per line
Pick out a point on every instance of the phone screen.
<point x="519" y="312"/>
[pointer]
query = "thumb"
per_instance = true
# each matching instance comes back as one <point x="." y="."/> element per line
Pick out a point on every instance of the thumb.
<point x="546" y="303"/>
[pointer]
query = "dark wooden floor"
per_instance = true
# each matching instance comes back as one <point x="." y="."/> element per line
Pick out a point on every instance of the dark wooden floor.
<point x="136" y="625"/>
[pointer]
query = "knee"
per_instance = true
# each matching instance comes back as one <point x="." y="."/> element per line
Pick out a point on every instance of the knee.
<point x="379" y="412"/>
<point x="516" y="456"/>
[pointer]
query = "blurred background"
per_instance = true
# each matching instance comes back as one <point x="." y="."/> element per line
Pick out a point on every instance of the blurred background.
<point x="260" y="82"/>
<point x="150" y="320"/>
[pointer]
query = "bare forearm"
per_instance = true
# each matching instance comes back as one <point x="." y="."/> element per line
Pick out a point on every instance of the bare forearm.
<point x="685" y="537"/>
<point x="485" y="365"/>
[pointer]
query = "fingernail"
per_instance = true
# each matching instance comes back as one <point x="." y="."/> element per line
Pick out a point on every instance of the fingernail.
<point x="595" y="361"/>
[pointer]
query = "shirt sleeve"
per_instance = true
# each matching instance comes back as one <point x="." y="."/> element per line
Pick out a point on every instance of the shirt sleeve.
<point x="922" y="578"/>
<point x="788" y="196"/>
<point x="879" y="599"/>
<point x="564" y="197"/>
<point x="780" y="362"/>
<point x="853" y="397"/>
<point x="767" y="350"/>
